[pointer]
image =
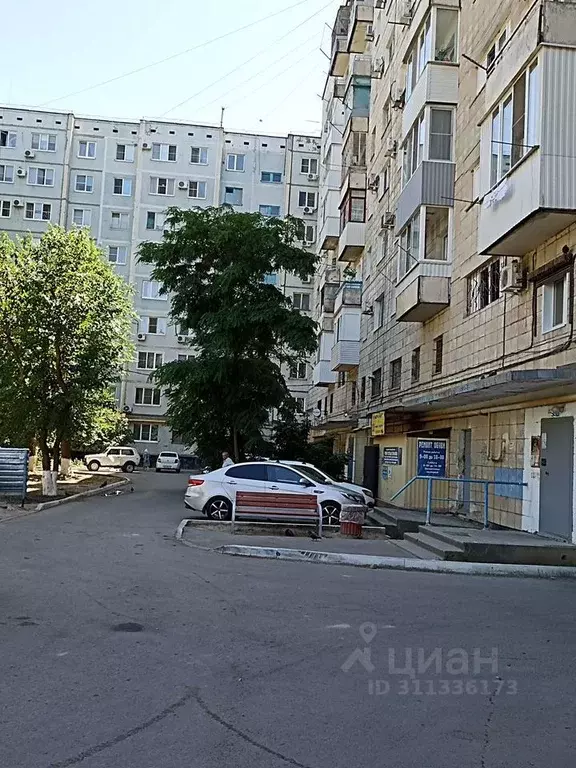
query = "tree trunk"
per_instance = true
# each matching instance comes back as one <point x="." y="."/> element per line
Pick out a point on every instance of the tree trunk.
<point x="32" y="450"/>
<point x="66" y="462"/>
<point x="49" y="478"/>
<point x="235" y="439"/>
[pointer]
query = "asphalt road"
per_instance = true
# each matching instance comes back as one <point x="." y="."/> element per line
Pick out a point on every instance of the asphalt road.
<point x="248" y="663"/>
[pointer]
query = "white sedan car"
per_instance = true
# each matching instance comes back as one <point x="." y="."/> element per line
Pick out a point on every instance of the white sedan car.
<point x="168" y="461"/>
<point x="318" y="474"/>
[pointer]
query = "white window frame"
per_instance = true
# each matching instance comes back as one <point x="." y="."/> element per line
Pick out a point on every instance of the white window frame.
<point x="235" y="189"/>
<point x="162" y="152"/>
<point x="150" y="291"/>
<point x="157" y="359"/>
<point x="300" y="369"/>
<point x="267" y="211"/>
<point x="129" y="153"/>
<point x="127" y="184"/>
<point x="155" y="185"/>
<point x="38" y="207"/>
<point x="410" y="242"/>
<point x="44" y="142"/>
<point x="161" y="325"/>
<point x="86" y="217"/>
<point x="5" y="209"/>
<point x="123" y="220"/>
<point x="7" y="170"/>
<point x="202" y="155"/>
<point x="139" y="425"/>
<point x="309" y="165"/>
<point x="270" y="174"/>
<point x="234" y="160"/>
<point x="35" y="173"/>
<point x="309" y="234"/>
<point x="298" y="302"/>
<point x="307" y="196"/>
<point x="88" y="183"/>
<point x="549" y="300"/>
<point x="201" y="189"/>
<point x="154" y="394"/>
<point x="120" y="255"/>
<point x="379" y="309"/>
<point x="11" y="139"/>
<point x="89" y="148"/>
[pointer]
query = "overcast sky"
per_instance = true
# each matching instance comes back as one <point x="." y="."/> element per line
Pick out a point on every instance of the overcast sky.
<point x="56" y="48"/>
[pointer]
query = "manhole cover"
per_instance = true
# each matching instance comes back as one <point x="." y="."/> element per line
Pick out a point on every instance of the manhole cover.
<point x="130" y="626"/>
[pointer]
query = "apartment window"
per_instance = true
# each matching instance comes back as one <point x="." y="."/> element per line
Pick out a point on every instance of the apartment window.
<point x="125" y="153"/>
<point x="147" y="396"/>
<point x="123" y="187"/>
<point x="341" y="378"/>
<point x="395" y="382"/>
<point x="298" y="371"/>
<point x="153" y="220"/>
<point x="145" y="433"/>
<point x="514" y="125"/>
<point x="378" y="318"/>
<point x="440" y="134"/>
<point x="84" y="183"/>
<point x="415" y="366"/>
<point x="41" y="177"/>
<point x="446" y="37"/>
<point x="495" y="49"/>
<point x="409" y="246"/>
<point x="235" y="162"/>
<point x="270" y="279"/>
<point x="153" y="325"/>
<point x="197" y="189"/>
<point x="5" y="208"/>
<point x="8" y="139"/>
<point x="438" y="355"/>
<point x="307" y="199"/>
<point x="363" y="389"/>
<point x="119" y="220"/>
<point x="199" y="155"/>
<point x="436" y="234"/>
<point x="301" y="301"/>
<point x="419" y="56"/>
<point x="161" y="186"/>
<point x="151" y="290"/>
<point x="331" y="406"/>
<point x="117" y="254"/>
<point x="309" y="165"/>
<point x="164" y="152"/>
<point x="555" y="304"/>
<point x="81" y="217"/>
<point x="38" y="211"/>
<point x="149" y="361"/>
<point x="268" y="177"/>
<point x="184" y="358"/>
<point x="309" y="234"/>
<point x="413" y="147"/>
<point x="384" y="244"/>
<point x="353" y="207"/>
<point x="44" y="142"/>
<point x="484" y="286"/>
<point x="7" y="173"/>
<point x="87" y="149"/>
<point x="353" y="394"/>
<point x="233" y="195"/>
<point x="376" y="383"/>
<point x="269" y="210"/>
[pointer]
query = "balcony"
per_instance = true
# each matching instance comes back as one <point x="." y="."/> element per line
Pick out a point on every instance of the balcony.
<point x="423" y="293"/>
<point x="329" y="234"/>
<point x="432" y="183"/>
<point x="360" y="26"/>
<point x="346" y="355"/>
<point x="438" y="84"/>
<point x="349" y="295"/>
<point x="347" y="311"/>
<point x="339" y="57"/>
<point x="352" y="241"/>
<point x="323" y="375"/>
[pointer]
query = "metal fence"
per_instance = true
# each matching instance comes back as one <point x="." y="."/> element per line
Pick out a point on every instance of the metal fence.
<point x="13" y="473"/>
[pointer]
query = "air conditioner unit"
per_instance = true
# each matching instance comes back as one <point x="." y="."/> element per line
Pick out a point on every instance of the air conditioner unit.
<point x="141" y="337"/>
<point x="378" y="68"/>
<point x="127" y="409"/>
<point x="370" y="33"/>
<point x="397" y="94"/>
<point x="388" y="220"/>
<point x="312" y="177"/>
<point x="20" y="172"/>
<point x="380" y="4"/>
<point x="145" y="145"/>
<point x="391" y="148"/>
<point x="406" y="13"/>
<point x="511" y="280"/>
<point x="182" y="185"/>
<point x="29" y="154"/>
<point x="309" y="211"/>
<point x="373" y="182"/>
<point x="182" y="339"/>
<point x="18" y="203"/>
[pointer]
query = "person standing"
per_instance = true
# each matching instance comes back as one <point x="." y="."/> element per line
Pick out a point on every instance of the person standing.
<point x="146" y="459"/>
<point x="226" y="460"/>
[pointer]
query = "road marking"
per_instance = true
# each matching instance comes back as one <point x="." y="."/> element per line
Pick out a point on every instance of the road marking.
<point x="338" y="626"/>
<point x="64" y="653"/>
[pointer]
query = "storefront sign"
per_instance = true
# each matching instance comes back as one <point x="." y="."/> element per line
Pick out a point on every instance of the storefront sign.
<point x="432" y="458"/>
<point x="378" y="424"/>
<point x="392" y="456"/>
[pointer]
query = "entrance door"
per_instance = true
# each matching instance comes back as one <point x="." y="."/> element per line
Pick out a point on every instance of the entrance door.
<point x="371" y="467"/>
<point x="466" y="469"/>
<point x="556" y="476"/>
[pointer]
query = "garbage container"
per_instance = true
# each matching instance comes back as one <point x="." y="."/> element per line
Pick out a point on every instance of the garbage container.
<point x="351" y="522"/>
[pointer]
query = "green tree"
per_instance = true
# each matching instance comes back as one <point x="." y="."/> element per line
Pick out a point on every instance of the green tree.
<point x="65" y="325"/>
<point x="214" y="262"/>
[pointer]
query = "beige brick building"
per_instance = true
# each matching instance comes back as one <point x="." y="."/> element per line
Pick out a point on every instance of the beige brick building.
<point x="457" y="224"/>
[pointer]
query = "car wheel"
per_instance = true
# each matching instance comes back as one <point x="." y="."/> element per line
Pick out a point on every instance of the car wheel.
<point x="219" y="508"/>
<point x="129" y="467"/>
<point x="157" y="470"/>
<point x="177" y="471"/>
<point x="330" y="512"/>
<point x="94" y="466"/>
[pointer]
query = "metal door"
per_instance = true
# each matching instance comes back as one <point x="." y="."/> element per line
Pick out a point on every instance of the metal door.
<point x="371" y="467"/>
<point x="556" y="476"/>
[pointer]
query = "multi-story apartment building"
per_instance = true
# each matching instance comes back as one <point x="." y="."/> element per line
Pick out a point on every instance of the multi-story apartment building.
<point x="118" y="178"/>
<point x="465" y="261"/>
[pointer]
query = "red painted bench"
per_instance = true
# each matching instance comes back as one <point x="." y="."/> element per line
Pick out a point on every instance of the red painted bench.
<point x="282" y="507"/>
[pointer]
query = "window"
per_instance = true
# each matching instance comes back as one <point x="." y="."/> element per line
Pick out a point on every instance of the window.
<point x="301" y="301"/>
<point x="436" y="234"/>
<point x="378" y="318"/>
<point x="437" y="355"/>
<point x="413" y="147"/>
<point x="331" y="404"/>
<point x="309" y="165"/>
<point x="270" y="210"/>
<point x="270" y="279"/>
<point x="409" y="246"/>
<point x="119" y="220"/>
<point x="415" y="367"/>
<point x="161" y="186"/>
<point x="235" y="162"/>
<point x="248" y="472"/>
<point x="81" y="217"/>
<point x="440" y="134"/>
<point x="5" y="208"/>
<point x="384" y="244"/>
<point x="197" y="189"/>
<point x="555" y="304"/>
<point x="341" y="378"/>
<point x="148" y="361"/>
<point x="484" y="286"/>
<point x="233" y="195"/>
<point x="84" y="183"/>
<point x="363" y="389"/>
<point x="125" y="153"/>
<point x="38" y="211"/>
<point x="514" y="127"/>
<point x="147" y="396"/>
<point x="353" y="207"/>
<point x="309" y="234"/>
<point x="7" y="173"/>
<point x="446" y="43"/>
<point x="307" y="199"/>
<point x="8" y="139"/>
<point x="495" y="50"/>
<point x="395" y="374"/>
<point x="117" y="254"/>
<point x="44" y="142"/>
<point x="376" y="383"/>
<point x="41" y="177"/>
<point x="153" y="325"/>
<point x="164" y="152"/>
<point x="123" y="187"/>
<point x="280" y="474"/>
<point x="199" y="155"/>
<point x="184" y="358"/>
<point x="87" y="149"/>
<point x="151" y="290"/>
<point x="419" y="56"/>
<point x="145" y="433"/>
<point x="153" y="220"/>
<point x="267" y="177"/>
<point x="298" y="371"/>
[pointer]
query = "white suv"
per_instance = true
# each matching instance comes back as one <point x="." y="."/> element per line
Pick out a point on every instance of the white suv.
<point x="124" y="458"/>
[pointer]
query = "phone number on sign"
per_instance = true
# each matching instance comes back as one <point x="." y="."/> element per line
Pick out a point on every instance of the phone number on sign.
<point x="443" y="687"/>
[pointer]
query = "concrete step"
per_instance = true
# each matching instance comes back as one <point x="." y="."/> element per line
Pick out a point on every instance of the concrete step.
<point x="437" y="547"/>
<point x="378" y="517"/>
<point x="414" y="550"/>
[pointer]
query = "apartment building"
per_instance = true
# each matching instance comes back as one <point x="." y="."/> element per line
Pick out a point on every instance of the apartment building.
<point x="465" y="256"/>
<point x="118" y="178"/>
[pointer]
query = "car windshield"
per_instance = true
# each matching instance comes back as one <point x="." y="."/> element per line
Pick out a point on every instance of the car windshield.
<point x="313" y="474"/>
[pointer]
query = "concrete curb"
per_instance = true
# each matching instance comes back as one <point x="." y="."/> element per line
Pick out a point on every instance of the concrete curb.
<point x="400" y="563"/>
<point x="82" y="495"/>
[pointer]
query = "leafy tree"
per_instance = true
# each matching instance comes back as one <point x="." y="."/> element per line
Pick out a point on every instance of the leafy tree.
<point x="65" y="324"/>
<point x="214" y="262"/>
<point x="101" y="424"/>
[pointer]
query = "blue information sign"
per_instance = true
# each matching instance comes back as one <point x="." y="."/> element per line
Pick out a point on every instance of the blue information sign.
<point x="432" y="458"/>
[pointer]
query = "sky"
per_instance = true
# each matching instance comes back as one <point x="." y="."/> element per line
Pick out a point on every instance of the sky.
<point x="268" y="77"/>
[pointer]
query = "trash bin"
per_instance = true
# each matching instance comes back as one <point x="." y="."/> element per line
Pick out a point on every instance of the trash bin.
<point x="351" y="522"/>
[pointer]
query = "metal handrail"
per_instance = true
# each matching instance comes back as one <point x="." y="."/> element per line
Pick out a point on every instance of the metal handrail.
<point x="464" y="481"/>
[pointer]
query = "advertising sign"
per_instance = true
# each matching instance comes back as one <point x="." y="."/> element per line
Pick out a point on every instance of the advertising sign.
<point x="432" y="458"/>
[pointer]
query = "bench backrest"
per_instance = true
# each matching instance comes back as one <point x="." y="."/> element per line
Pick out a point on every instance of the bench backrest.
<point x="276" y="505"/>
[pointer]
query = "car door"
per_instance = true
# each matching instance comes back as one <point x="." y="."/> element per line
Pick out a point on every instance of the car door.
<point x="282" y="479"/>
<point x="113" y="457"/>
<point x="245" y="477"/>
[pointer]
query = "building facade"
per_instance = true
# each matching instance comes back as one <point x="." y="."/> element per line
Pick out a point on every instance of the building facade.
<point x="463" y="255"/>
<point x="118" y="178"/>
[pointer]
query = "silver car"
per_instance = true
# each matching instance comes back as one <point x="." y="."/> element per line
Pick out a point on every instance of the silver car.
<point x="214" y="493"/>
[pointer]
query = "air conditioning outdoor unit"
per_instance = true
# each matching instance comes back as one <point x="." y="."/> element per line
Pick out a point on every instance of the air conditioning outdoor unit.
<point x="312" y="177"/>
<point x="374" y="183"/>
<point x="145" y="145"/>
<point x="182" y="339"/>
<point x="309" y="211"/>
<point x="380" y="4"/>
<point x="378" y="68"/>
<point x="397" y="96"/>
<point x="18" y="203"/>
<point x="370" y="33"/>
<point x="391" y="148"/>
<point x="141" y="337"/>
<point x="29" y="154"/>
<point x="20" y="172"/>
<point x="127" y="409"/>
<point x="182" y="185"/>
<point x="406" y="13"/>
<point x="388" y="220"/>
<point x="511" y="280"/>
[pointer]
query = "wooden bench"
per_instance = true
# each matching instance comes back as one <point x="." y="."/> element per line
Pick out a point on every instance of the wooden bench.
<point x="282" y="507"/>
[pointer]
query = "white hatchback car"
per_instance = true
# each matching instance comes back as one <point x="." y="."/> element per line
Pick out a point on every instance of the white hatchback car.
<point x="168" y="461"/>
<point x="121" y="457"/>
